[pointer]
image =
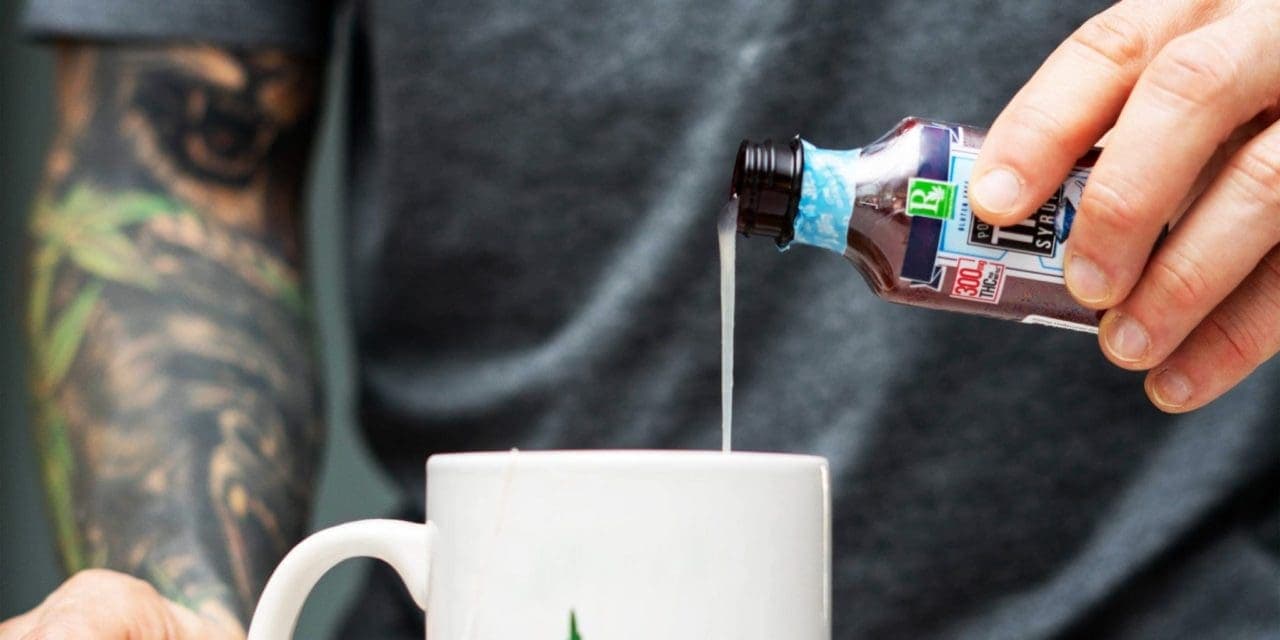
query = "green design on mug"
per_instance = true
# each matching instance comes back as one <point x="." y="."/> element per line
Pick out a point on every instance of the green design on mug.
<point x="573" y="626"/>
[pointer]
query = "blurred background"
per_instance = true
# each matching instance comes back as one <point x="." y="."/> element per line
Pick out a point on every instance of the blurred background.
<point x="351" y="487"/>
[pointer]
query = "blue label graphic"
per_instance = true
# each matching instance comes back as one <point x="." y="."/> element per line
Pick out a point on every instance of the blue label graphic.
<point x="827" y="194"/>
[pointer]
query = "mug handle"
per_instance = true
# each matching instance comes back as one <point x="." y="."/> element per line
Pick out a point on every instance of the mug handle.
<point x="406" y="546"/>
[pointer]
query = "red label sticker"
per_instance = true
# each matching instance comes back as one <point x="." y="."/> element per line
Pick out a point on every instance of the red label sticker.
<point x="981" y="280"/>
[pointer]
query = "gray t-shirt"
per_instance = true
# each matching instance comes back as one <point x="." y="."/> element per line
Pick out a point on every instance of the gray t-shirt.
<point x="533" y="263"/>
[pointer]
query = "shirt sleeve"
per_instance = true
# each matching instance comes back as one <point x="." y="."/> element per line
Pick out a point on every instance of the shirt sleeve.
<point x="298" y="25"/>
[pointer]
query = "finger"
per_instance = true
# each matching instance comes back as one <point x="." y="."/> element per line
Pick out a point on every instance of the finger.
<point x="1207" y="255"/>
<point x="1239" y="335"/>
<point x="1218" y="161"/>
<point x="105" y="604"/>
<point x="1195" y="92"/>
<point x="95" y="603"/>
<point x="1067" y="106"/>
<point x="17" y="627"/>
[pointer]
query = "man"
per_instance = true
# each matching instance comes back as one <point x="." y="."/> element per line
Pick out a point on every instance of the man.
<point x="531" y="264"/>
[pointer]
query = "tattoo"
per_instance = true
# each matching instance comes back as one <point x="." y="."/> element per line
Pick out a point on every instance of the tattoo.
<point x="172" y="370"/>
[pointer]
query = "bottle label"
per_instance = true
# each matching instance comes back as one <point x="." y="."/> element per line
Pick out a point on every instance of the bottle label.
<point x="827" y="191"/>
<point x="983" y="255"/>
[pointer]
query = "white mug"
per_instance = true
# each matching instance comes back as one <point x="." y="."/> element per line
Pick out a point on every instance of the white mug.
<point x="596" y="545"/>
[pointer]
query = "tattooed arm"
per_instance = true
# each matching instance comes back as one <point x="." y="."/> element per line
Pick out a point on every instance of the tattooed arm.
<point x="172" y="371"/>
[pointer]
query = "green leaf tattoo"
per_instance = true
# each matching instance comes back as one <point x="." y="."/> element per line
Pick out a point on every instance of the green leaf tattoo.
<point x="285" y="287"/>
<point x="87" y="226"/>
<point x="68" y="332"/>
<point x="45" y="259"/>
<point x="110" y="256"/>
<point x="93" y="231"/>
<point x="57" y="465"/>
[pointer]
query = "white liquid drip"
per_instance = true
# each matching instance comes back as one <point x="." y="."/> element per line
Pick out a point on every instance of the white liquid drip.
<point x="728" y="227"/>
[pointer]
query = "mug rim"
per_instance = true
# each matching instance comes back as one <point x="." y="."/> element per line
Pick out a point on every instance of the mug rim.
<point x="703" y="459"/>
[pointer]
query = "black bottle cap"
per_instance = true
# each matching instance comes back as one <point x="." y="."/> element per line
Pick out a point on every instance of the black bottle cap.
<point x="766" y="179"/>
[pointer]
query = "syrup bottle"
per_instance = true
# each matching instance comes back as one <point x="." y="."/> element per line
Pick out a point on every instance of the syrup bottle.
<point x="898" y="209"/>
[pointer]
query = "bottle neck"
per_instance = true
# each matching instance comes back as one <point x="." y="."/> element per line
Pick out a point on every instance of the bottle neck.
<point x="799" y="192"/>
<point x="766" y="180"/>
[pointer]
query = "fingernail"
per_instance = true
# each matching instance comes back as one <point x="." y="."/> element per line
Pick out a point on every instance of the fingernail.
<point x="996" y="191"/>
<point x="1170" y="388"/>
<point x="1126" y="339"/>
<point x="1085" y="280"/>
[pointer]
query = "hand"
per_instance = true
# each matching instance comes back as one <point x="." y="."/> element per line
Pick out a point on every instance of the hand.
<point x="1191" y="88"/>
<point x="104" y="605"/>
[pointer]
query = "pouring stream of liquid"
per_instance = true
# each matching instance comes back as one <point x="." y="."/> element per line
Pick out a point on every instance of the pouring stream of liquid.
<point x="728" y="228"/>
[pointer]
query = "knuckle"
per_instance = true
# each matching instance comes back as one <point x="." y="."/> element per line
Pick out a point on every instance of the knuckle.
<point x="90" y="579"/>
<point x="1268" y="283"/>
<point x="1248" y="328"/>
<point x="1112" y="37"/>
<point x="1103" y="203"/>
<point x="1180" y="279"/>
<point x="152" y="620"/>
<point x="1039" y="122"/>
<point x="1255" y="171"/>
<point x="137" y="588"/>
<point x="1191" y="72"/>
<point x="1242" y="341"/>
